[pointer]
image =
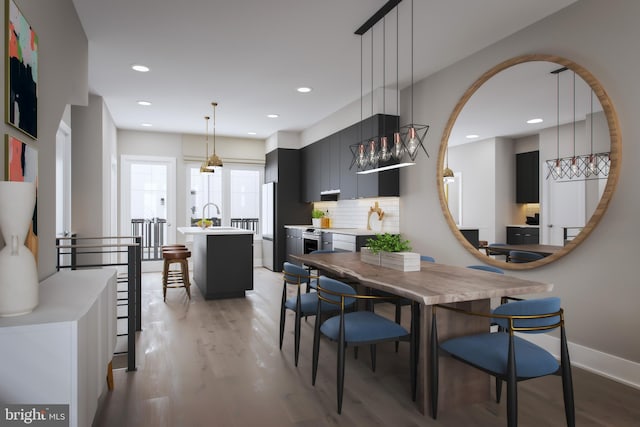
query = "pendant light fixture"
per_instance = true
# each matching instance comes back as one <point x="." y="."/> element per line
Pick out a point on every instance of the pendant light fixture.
<point x="214" y="160"/>
<point x="447" y="173"/>
<point x="369" y="152"/>
<point x="413" y="134"/>
<point x="385" y="150"/>
<point x="577" y="166"/>
<point x="204" y="167"/>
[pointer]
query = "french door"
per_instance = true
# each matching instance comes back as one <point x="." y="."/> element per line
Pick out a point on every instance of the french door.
<point x="148" y="201"/>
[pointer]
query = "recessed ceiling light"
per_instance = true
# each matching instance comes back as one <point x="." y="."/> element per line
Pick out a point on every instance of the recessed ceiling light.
<point x="251" y="133"/>
<point x="304" y="89"/>
<point x="141" y="68"/>
<point x="147" y="125"/>
<point x="145" y="103"/>
<point x="273" y="116"/>
<point x="472" y="136"/>
<point x="534" y="121"/>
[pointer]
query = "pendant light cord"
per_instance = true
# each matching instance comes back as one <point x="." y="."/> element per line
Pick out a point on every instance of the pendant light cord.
<point x="574" y="116"/>
<point x="591" y="121"/>
<point x="411" y="62"/>
<point x="558" y="116"/>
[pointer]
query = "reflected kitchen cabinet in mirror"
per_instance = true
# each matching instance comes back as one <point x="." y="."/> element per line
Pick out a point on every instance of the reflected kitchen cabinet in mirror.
<point x="537" y="142"/>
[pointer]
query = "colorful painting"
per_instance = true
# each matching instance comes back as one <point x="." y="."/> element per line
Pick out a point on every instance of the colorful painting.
<point x="22" y="165"/>
<point x="21" y="72"/>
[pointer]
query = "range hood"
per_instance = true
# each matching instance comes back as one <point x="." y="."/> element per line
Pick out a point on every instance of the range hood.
<point x="329" y="195"/>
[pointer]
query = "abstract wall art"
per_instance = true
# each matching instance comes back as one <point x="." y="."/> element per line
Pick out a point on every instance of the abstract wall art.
<point x="21" y="72"/>
<point x="21" y="164"/>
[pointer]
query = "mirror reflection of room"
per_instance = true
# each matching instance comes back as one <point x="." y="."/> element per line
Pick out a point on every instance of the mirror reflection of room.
<point x="532" y="144"/>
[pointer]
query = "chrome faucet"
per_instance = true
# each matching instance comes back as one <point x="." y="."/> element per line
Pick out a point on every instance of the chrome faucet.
<point x="205" y="207"/>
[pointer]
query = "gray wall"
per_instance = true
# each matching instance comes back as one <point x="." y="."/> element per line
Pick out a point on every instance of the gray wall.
<point x="63" y="79"/>
<point x="598" y="281"/>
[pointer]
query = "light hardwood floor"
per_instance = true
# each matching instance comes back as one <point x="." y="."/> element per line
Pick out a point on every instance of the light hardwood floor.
<point x="217" y="363"/>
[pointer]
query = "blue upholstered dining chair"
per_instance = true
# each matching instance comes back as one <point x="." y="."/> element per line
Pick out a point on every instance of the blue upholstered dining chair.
<point x="506" y="356"/>
<point x="427" y="258"/>
<point x="489" y="268"/>
<point x="302" y="304"/>
<point x="358" y="328"/>
<point x="523" y="256"/>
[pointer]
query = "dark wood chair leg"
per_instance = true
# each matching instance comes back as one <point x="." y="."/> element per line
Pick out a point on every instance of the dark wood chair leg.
<point x="498" y="389"/>
<point x="512" y="387"/>
<point x="398" y="321"/>
<point x="316" y="348"/>
<point x="341" y="351"/>
<point x="372" y="350"/>
<point x="567" y="381"/>
<point x="282" y="314"/>
<point x="297" y="337"/>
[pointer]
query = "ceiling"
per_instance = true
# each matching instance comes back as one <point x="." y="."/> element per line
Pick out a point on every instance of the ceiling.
<point x="504" y="103"/>
<point x="251" y="55"/>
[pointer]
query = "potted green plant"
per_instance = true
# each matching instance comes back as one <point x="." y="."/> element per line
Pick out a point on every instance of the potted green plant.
<point x="316" y="215"/>
<point x="392" y="251"/>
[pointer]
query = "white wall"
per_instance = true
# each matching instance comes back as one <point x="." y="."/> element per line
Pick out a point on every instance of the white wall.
<point x="597" y="281"/>
<point x="63" y="79"/>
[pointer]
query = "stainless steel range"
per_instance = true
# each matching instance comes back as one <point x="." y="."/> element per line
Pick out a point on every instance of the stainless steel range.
<point x="311" y="240"/>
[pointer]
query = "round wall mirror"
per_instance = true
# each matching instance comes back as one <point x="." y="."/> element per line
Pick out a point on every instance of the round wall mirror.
<point x="528" y="161"/>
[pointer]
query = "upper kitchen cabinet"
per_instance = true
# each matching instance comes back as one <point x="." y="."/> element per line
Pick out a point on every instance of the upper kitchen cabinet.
<point x="311" y="171"/>
<point x="528" y="177"/>
<point x="326" y="164"/>
<point x="386" y="183"/>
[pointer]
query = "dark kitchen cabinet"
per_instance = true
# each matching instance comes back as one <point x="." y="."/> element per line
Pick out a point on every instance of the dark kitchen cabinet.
<point x="327" y="164"/>
<point x="523" y="235"/>
<point x="311" y="172"/>
<point x="528" y="177"/>
<point x="284" y="166"/>
<point x="386" y="183"/>
<point x="293" y="244"/>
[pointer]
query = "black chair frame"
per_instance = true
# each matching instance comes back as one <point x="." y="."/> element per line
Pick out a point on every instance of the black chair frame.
<point x="412" y="338"/>
<point x="510" y="376"/>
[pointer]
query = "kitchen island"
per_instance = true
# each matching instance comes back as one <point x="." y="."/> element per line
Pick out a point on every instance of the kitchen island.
<point x="222" y="260"/>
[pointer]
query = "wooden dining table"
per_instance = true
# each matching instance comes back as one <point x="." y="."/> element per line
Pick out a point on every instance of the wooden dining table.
<point x="435" y="283"/>
<point x="544" y="250"/>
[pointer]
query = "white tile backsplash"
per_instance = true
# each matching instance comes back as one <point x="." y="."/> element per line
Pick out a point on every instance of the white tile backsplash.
<point x="354" y="213"/>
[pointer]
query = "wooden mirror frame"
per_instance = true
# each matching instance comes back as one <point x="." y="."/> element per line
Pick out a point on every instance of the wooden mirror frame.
<point x="612" y="180"/>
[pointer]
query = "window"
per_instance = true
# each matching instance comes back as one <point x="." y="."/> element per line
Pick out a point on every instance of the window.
<point x="202" y="189"/>
<point x="235" y="189"/>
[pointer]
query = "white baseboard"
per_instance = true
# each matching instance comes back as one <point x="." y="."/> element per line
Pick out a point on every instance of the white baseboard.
<point x="607" y="365"/>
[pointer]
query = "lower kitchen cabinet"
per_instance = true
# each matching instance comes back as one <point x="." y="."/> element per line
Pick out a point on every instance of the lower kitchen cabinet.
<point x="294" y="244"/>
<point x="523" y="235"/>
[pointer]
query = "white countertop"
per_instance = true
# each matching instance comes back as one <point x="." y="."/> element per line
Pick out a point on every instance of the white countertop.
<point x="213" y="230"/>
<point x="348" y="231"/>
<point x="523" y="225"/>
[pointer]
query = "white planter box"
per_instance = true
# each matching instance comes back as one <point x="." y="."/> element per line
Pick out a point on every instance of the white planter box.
<point x="403" y="261"/>
<point x="369" y="257"/>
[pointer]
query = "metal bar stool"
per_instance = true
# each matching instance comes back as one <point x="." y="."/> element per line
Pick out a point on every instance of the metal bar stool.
<point x="175" y="254"/>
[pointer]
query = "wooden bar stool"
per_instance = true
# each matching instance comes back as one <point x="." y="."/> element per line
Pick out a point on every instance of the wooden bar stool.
<point x="175" y="278"/>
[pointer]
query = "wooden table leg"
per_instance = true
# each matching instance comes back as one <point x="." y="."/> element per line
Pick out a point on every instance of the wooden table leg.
<point x="459" y="384"/>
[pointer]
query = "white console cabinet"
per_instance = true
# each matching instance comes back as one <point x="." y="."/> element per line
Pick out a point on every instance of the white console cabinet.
<point x="59" y="353"/>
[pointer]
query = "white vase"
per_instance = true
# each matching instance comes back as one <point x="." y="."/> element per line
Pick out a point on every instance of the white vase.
<point x="18" y="272"/>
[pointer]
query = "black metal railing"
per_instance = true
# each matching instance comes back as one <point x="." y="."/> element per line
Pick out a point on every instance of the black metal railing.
<point x="252" y="224"/>
<point x="153" y="233"/>
<point x="98" y="252"/>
